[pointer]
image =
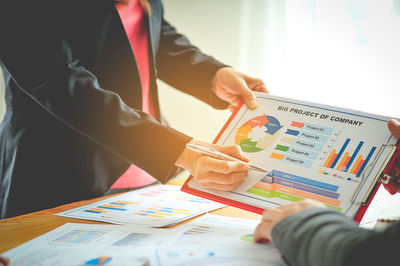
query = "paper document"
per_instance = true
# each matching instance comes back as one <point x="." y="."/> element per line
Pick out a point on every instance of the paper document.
<point x="90" y="244"/>
<point x="155" y="206"/>
<point x="210" y="240"/>
<point x="217" y="240"/>
<point x="312" y="151"/>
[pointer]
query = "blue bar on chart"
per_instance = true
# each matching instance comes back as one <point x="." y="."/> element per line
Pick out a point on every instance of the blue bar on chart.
<point x="366" y="161"/>
<point x="292" y="132"/>
<point x="340" y="153"/>
<point x="303" y="180"/>
<point x="354" y="155"/>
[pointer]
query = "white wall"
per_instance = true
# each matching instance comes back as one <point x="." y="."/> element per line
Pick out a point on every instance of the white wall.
<point x="342" y="52"/>
<point x="214" y="27"/>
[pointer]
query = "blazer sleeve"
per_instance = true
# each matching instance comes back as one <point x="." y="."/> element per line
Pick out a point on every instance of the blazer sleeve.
<point x="327" y="237"/>
<point x="185" y="67"/>
<point x="44" y="67"/>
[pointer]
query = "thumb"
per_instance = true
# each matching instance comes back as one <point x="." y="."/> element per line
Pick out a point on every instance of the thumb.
<point x="248" y="96"/>
<point x="235" y="151"/>
<point x="394" y="127"/>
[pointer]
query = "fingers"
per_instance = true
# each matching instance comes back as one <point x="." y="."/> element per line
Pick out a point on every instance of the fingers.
<point x="4" y="261"/>
<point x="221" y="187"/>
<point x="224" y="179"/>
<point x="262" y="233"/>
<point x="220" y="174"/>
<point x="273" y="216"/>
<point x="394" y="127"/>
<point x="248" y="95"/>
<point x="210" y="164"/>
<point x="234" y="151"/>
<point x="255" y="84"/>
<point x="232" y="107"/>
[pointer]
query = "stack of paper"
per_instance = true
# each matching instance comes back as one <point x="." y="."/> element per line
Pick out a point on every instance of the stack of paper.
<point x="210" y="240"/>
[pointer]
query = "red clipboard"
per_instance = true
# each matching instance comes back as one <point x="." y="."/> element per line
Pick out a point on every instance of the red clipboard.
<point x="357" y="218"/>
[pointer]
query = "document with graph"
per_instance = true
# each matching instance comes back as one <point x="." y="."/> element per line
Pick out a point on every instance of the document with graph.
<point x="311" y="151"/>
<point x="154" y="206"/>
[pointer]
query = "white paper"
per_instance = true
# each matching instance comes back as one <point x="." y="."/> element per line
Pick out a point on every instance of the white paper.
<point x="313" y="151"/>
<point x="155" y="206"/>
<point x="217" y="232"/>
<point x="217" y="240"/>
<point x="209" y="240"/>
<point x="88" y="244"/>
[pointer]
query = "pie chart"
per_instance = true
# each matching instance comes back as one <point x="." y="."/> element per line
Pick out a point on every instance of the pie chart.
<point x="258" y="133"/>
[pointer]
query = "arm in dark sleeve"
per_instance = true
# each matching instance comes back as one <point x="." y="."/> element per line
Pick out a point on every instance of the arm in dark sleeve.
<point x="326" y="237"/>
<point x="45" y="67"/>
<point x="185" y="67"/>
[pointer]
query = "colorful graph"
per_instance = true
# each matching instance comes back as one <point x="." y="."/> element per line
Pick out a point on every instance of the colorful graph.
<point x="269" y="126"/>
<point x="160" y="212"/>
<point x="294" y="188"/>
<point x="117" y="205"/>
<point x="155" y="192"/>
<point x="99" y="261"/>
<point x="199" y="230"/>
<point x="345" y="161"/>
<point x="79" y="236"/>
<point x="301" y="143"/>
<point x="195" y="199"/>
<point x="133" y="239"/>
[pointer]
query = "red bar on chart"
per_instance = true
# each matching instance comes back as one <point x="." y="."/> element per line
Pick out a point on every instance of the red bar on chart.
<point x="342" y="163"/>
<point x="356" y="165"/>
<point x="297" y="124"/>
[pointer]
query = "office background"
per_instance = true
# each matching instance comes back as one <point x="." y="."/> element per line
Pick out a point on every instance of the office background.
<point x="338" y="52"/>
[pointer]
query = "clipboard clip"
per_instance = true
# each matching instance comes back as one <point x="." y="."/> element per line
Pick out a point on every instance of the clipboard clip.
<point x="381" y="176"/>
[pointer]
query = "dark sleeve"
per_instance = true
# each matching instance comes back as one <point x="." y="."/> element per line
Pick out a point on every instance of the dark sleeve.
<point x="45" y="67"/>
<point x="185" y="67"/>
<point x="326" y="237"/>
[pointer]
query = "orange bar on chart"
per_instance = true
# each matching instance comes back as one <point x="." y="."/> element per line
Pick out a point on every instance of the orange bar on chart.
<point x="277" y="156"/>
<point x="341" y="164"/>
<point x="355" y="166"/>
<point x="124" y="202"/>
<point x="297" y="124"/>
<point x="327" y="162"/>
<point x="346" y="163"/>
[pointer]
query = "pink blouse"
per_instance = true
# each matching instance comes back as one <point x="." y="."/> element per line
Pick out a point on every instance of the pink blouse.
<point x="133" y="19"/>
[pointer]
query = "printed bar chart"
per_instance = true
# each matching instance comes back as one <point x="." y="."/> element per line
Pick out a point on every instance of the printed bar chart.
<point x="159" y="212"/>
<point x="339" y="154"/>
<point x="346" y="161"/>
<point x="354" y="155"/>
<point x="294" y="188"/>
<point x="365" y="163"/>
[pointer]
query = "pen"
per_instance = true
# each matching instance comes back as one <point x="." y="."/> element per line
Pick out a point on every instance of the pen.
<point x="210" y="151"/>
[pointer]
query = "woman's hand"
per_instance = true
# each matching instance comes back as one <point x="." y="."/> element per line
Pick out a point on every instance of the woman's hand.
<point x="394" y="187"/>
<point x="273" y="216"/>
<point x="233" y="86"/>
<point x="4" y="261"/>
<point x="215" y="173"/>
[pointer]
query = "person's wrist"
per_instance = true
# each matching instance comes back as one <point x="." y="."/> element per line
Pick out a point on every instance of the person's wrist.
<point x="186" y="158"/>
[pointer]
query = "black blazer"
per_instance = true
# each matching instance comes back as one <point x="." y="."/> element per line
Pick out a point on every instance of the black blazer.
<point x="73" y="96"/>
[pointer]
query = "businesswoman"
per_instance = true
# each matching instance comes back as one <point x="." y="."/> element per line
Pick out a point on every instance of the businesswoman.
<point x="82" y="107"/>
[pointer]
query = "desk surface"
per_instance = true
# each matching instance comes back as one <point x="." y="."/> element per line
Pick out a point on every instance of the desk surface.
<point x="17" y="230"/>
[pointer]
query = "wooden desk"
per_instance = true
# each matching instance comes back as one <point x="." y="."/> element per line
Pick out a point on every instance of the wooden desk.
<point x="17" y="230"/>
